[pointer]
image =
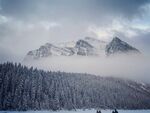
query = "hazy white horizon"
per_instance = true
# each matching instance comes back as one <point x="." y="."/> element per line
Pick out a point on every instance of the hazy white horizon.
<point x="129" y="67"/>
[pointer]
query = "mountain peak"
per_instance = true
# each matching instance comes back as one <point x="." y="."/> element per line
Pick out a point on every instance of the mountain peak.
<point x="82" y="43"/>
<point x="117" y="46"/>
<point x="48" y="44"/>
<point x="84" y="48"/>
<point x="117" y="39"/>
<point x="87" y="46"/>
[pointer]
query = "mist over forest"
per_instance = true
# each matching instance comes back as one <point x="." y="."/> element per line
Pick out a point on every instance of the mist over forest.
<point x="130" y="67"/>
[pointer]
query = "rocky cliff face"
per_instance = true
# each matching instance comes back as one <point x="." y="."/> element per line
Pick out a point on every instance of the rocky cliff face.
<point x="117" y="46"/>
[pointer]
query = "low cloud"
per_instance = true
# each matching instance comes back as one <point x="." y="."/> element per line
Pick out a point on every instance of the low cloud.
<point x="15" y="35"/>
<point x="134" y="67"/>
<point x="118" y="28"/>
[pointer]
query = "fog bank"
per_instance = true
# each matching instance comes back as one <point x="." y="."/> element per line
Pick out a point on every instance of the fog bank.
<point x="133" y="67"/>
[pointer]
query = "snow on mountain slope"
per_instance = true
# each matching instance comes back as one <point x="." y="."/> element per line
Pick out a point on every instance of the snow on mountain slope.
<point x="83" y="47"/>
<point x="98" y="45"/>
<point x="117" y="46"/>
<point x="97" y="49"/>
<point x="70" y="44"/>
<point x="48" y="50"/>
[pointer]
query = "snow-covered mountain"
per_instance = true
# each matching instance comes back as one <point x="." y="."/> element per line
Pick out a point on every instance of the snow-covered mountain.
<point x="49" y="50"/>
<point x="69" y="44"/>
<point x="99" y="45"/>
<point x="83" y="47"/>
<point x="117" y="46"/>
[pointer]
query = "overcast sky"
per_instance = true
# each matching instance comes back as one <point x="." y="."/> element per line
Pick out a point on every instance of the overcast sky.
<point x="27" y="24"/>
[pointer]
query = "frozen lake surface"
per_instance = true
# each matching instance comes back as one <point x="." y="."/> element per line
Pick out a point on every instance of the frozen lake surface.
<point x="79" y="111"/>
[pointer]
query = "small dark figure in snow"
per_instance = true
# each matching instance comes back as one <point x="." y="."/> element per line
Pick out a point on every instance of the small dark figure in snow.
<point x="98" y="111"/>
<point x="115" y="111"/>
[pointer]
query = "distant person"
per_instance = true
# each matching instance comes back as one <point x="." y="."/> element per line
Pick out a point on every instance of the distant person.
<point x="115" y="111"/>
<point x="98" y="111"/>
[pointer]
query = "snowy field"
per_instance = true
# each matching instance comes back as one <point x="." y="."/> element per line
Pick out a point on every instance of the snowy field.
<point x="79" y="111"/>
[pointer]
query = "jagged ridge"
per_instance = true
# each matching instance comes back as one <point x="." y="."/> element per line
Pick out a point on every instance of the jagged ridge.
<point x="117" y="46"/>
<point x="85" y="47"/>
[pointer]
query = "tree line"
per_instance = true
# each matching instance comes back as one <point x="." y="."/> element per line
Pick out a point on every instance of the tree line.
<point x="23" y="88"/>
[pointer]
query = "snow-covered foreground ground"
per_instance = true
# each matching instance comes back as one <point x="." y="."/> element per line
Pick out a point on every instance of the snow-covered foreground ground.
<point x="79" y="111"/>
